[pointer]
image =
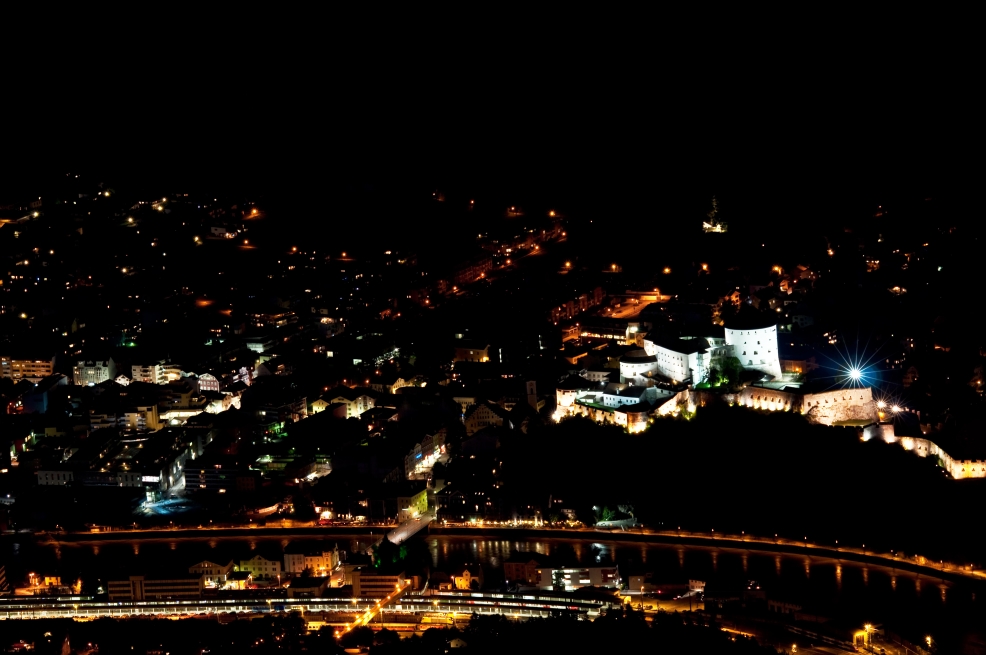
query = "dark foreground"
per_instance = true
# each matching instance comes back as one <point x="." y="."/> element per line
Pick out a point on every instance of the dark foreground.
<point x="618" y="631"/>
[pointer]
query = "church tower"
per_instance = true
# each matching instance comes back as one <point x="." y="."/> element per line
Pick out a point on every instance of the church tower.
<point x="532" y="394"/>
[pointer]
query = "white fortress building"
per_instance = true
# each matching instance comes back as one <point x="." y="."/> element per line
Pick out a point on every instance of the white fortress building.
<point x="689" y="359"/>
<point x="756" y="349"/>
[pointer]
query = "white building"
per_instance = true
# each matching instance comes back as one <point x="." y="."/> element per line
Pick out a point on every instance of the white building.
<point x="680" y="360"/>
<point x="756" y="349"/>
<point x="214" y="575"/>
<point x="356" y="401"/>
<point x="151" y="373"/>
<point x="321" y="563"/>
<point x="637" y="364"/>
<point x="55" y="478"/>
<point x="207" y="382"/>
<point x="91" y="372"/>
<point x="689" y="360"/>
<point x="573" y="578"/>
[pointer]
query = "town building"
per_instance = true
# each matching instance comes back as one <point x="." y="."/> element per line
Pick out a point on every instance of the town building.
<point x="135" y="418"/>
<point x="419" y="462"/>
<point x="338" y="410"/>
<point x="93" y="371"/>
<point x="32" y="370"/>
<point x="468" y="577"/>
<point x="141" y="588"/>
<point x="207" y="382"/>
<point x="238" y="580"/>
<point x="319" y="562"/>
<point x="388" y="383"/>
<point x="369" y="584"/>
<point x="261" y="568"/>
<point x="55" y="478"/>
<point x="616" y="403"/>
<point x="356" y="400"/>
<point x="412" y="502"/>
<point x="154" y="461"/>
<point x="471" y="351"/>
<point x="213" y="575"/>
<point x="152" y="373"/>
<point x="221" y="477"/>
<point x="308" y="587"/>
<point x="569" y="579"/>
<point x="521" y="568"/>
<point x="483" y="415"/>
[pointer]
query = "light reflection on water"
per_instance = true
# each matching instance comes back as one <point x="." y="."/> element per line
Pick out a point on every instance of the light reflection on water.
<point x="841" y="585"/>
<point x="792" y="576"/>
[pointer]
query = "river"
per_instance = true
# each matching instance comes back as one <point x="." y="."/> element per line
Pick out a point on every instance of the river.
<point x="846" y="588"/>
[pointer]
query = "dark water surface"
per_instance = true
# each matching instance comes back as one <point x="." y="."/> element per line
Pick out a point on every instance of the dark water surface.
<point x="842" y="589"/>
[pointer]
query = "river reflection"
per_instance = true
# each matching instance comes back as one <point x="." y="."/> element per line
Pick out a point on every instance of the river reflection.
<point x="829" y="586"/>
<point x="798" y="578"/>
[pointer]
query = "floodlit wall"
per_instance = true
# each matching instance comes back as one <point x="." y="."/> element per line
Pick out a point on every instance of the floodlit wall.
<point x="566" y="397"/>
<point x="825" y="408"/>
<point x="770" y="400"/>
<point x="959" y="469"/>
<point x="840" y="405"/>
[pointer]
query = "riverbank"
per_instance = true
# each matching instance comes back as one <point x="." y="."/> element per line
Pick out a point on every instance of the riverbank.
<point x="913" y="564"/>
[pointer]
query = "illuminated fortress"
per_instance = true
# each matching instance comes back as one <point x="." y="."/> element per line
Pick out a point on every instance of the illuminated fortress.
<point x="689" y="360"/>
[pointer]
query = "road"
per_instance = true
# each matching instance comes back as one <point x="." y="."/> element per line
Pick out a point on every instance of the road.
<point x="409" y="528"/>
<point x="373" y="610"/>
